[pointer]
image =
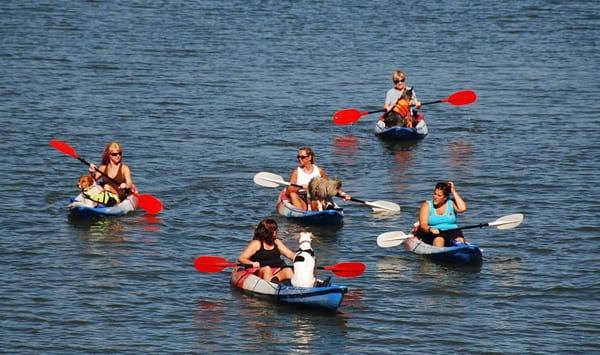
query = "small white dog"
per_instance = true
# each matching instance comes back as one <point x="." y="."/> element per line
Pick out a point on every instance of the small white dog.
<point x="304" y="262"/>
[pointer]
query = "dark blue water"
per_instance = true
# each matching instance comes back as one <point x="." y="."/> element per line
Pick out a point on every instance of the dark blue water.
<point x="203" y="95"/>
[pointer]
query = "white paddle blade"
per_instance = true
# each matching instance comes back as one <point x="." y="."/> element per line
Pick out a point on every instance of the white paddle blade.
<point x="508" y="222"/>
<point x="392" y="239"/>
<point x="266" y="179"/>
<point x="380" y="206"/>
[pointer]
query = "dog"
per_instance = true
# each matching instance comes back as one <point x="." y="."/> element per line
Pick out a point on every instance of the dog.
<point x="304" y="262"/>
<point x="320" y="192"/>
<point x="402" y="113"/>
<point x="92" y="194"/>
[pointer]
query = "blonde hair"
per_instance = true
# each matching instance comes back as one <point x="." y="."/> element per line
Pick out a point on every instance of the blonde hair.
<point x="106" y="154"/>
<point x="398" y="75"/>
<point x="309" y="152"/>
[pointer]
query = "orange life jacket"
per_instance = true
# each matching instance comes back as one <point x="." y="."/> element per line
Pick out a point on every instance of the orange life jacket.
<point x="402" y="107"/>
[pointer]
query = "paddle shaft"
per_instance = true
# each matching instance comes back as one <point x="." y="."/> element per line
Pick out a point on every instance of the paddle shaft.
<point x="338" y="195"/>
<point x="480" y="225"/>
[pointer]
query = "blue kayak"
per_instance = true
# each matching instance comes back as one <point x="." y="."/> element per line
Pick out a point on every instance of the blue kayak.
<point x="326" y="217"/>
<point x="401" y="134"/>
<point x="85" y="212"/>
<point x="458" y="254"/>
<point x="324" y="297"/>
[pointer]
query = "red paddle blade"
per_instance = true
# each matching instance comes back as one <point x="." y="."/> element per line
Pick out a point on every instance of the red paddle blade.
<point x="348" y="269"/>
<point x="460" y="98"/>
<point x="348" y="116"/>
<point x="64" y="148"/>
<point x="149" y="203"/>
<point x="211" y="263"/>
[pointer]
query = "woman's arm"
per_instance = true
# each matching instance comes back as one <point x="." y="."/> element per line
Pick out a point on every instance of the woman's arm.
<point x="284" y="249"/>
<point x="459" y="204"/>
<point x="424" y="217"/>
<point x="323" y="173"/>
<point x="250" y="250"/>
<point x="127" y="175"/>
<point x="293" y="180"/>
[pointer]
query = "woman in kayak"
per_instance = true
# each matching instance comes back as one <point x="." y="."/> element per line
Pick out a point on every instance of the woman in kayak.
<point x="398" y="102"/>
<point x="264" y="253"/>
<point x="302" y="175"/>
<point x="113" y="166"/>
<point x="439" y="214"/>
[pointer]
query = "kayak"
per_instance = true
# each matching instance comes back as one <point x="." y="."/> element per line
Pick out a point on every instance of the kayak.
<point x="86" y="212"/>
<point x="323" y="297"/>
<point x="459" y="254"/>
<point x="401" y="134"/>
<point x="326" y="217"/>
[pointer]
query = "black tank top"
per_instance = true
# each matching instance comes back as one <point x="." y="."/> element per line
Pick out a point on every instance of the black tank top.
<point x="118" y="180"/>
<point x="268" y="257"/>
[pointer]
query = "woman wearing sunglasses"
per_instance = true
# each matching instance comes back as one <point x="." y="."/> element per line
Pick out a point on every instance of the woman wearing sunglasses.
<point x="398" y="102"/>
<point x="302" y="175"/>
<point x="112" y="165"/>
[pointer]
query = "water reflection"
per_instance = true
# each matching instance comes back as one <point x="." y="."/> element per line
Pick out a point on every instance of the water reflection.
<point x="305" y="329"/>
<point x="209" y="316"/>
<point x="346" y="146"/>
<point x="106" y="230"/>
<point x="391" y="267"/>
<point x="460" y="155"/>
<point x="151" y="223"/>
<point x="403" y="163"/>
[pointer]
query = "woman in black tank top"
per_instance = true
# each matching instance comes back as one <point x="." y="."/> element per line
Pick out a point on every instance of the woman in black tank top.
<point x="264" y="252"/>
<point x="113" y="166"/>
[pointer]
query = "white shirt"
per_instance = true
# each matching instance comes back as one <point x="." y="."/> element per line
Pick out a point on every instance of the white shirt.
<point x="303" y="178"/>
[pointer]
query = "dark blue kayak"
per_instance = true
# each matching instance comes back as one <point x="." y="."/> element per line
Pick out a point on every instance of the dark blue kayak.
<point x="325" y="217"/>
<point x="401" y="134"/>
<point x="458" y="254"/>
<point x="328" y="297"/>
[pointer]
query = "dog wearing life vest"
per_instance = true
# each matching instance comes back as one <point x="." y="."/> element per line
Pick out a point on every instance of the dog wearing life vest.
<point x="304" y="262"/>
<point x="92" y="194"/>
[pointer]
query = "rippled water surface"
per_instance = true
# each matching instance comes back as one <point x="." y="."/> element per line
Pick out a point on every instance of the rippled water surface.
<point x="203" y="95"/>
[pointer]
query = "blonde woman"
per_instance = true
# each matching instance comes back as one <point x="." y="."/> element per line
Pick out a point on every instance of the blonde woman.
<point x="112" y="165"/>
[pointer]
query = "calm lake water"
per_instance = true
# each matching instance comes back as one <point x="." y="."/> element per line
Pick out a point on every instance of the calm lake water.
<point x="203" y="95"/>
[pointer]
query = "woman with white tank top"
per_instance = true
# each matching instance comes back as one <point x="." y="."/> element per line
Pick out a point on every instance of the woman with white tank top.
<point x="302" y="175"/>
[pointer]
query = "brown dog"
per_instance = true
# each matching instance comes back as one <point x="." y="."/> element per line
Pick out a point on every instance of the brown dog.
<point x="92" y="194"/>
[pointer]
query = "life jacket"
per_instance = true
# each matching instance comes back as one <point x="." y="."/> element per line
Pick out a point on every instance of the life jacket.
<point x="104" y="197"/>
<point x="402" y="107"/>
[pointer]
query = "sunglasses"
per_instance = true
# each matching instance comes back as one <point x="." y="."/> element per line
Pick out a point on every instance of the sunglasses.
<point x="399" y="81"/>
<point x="116" y="154"/>
<point x="300" y="157"/>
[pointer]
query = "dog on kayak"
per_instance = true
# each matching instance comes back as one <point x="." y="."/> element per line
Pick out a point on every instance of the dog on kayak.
<point x="93" y="194"/>
<point x="321" y="191"/>
<point x="304" y="262"/>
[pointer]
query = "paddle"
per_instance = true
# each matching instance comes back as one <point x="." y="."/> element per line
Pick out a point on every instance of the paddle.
<point x="266" y="179"/>
<point x="392" y="239"/>
<point x="207" y="263"/>
<point x="147" y="202"/>
<point x="351" y="115"/>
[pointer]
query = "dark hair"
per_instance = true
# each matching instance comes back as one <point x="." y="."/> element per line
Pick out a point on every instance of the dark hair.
<point x="310" y="152"/>
<point x="444" y="187"/>
<point x="264" y="231"/>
